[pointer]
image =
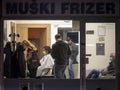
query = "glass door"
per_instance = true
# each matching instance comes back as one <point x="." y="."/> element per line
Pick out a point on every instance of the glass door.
<point x="97" y="54"/>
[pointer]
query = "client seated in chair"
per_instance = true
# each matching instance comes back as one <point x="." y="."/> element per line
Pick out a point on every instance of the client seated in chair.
<point x="47" y="63"/>
<point x="108" y="72"/>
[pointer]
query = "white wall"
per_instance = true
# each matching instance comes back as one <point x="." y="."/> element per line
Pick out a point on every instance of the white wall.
<point x="8" y="29"/>
<point x="55" y="24"/>
<point x="99" y="61"/>
<point x="54" y="29"/>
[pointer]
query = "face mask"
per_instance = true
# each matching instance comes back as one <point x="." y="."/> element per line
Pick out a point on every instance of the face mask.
<point x="44" y="53"/>
<point x="110" y="59"/>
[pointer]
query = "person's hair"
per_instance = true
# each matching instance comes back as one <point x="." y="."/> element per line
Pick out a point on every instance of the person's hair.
<point x="47" y="48"/>
<point x="68" y="39"/>
<point x="57" y="36"/>
<point x="29" y="44"/>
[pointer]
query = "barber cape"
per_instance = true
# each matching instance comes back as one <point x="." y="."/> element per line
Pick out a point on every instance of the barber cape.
<point x="47" y="63"/>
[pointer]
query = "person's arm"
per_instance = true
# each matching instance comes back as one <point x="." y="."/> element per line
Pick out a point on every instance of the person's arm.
<point x="75" y="48"/>
<point x="69" y="51"/>
<point x="53" y="51"/>
<point x="104" y="71"/>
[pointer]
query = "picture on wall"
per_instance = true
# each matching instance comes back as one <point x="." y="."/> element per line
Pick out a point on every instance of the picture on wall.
<point x="100" y="49"/>
<point x="101" y="30"/>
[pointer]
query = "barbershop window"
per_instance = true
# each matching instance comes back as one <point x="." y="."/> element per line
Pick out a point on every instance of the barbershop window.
<point x="100" y="45"/>
<point x="35" y="34"/>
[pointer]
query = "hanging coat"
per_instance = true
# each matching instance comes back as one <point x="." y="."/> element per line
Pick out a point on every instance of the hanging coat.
<point x="18" y="62"/>
<point x="7" y="60"/>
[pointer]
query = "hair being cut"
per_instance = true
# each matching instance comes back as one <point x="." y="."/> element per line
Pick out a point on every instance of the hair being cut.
<point x="47" y="48"/>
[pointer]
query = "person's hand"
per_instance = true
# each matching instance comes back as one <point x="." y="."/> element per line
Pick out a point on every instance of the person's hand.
<point x="104" y="71"/>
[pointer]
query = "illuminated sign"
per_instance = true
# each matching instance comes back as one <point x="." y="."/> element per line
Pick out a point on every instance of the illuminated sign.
<point x="59" y="8"/>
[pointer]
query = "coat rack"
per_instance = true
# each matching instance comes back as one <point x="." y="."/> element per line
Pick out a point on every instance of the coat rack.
<point x="13" y="42"/>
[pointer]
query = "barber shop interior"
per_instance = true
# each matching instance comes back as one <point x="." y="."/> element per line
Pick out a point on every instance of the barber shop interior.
<point x="100" y="40"/>
<point x="100" y="44"/>
<point x="64" y="45"/>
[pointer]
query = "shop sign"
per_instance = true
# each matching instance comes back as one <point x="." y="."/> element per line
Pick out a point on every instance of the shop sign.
<point x="41" y="8"/>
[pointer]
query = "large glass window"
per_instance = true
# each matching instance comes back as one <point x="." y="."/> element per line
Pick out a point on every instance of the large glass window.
<point x="40" y="33"/>
<point x="100" y="45"/>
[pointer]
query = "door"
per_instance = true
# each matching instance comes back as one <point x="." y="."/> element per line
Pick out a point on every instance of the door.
<point x="97" y="42"/>
<point x="100" y="51"/>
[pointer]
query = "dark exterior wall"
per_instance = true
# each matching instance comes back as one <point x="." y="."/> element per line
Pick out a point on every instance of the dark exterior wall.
<point x="41" y="84"/>
<point x="58" y="84"/>
<point x="118" y="54"/>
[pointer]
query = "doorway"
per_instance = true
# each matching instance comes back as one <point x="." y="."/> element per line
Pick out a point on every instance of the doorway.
<point x="38" y="37"/>
<point x="97" y="41"/>
<point x="38" y="33"/>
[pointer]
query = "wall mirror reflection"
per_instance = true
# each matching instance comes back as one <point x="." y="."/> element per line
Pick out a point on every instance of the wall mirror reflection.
<point x="29" y="43"/>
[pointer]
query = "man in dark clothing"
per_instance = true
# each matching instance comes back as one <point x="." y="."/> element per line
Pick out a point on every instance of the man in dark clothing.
<point x="111" y="67"/>
<point x="109" y="71"/>
<point x="60" y="52"/>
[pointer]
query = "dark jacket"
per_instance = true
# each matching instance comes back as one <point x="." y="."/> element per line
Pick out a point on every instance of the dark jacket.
<point x="18" y="62"/>
<point x="32" y="62"/>
<point x="60" y="52"/>
<point x="7" y="62"/>
<point x="111" y="68"/>
<point x="14" y="64"/>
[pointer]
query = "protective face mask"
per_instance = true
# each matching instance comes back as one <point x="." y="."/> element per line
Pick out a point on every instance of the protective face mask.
<point x="44" y="53"/>
<point x="110" y="59"/>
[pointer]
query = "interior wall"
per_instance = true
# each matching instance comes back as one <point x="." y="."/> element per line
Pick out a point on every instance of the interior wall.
<point x="99" y="61"/>
<point x="7" y="25"/>
<point x="22" y="30"/>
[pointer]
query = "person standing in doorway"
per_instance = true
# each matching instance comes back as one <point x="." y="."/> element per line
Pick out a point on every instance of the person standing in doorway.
<point x="72" y="58"/>
<point x="60" y="52"/>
